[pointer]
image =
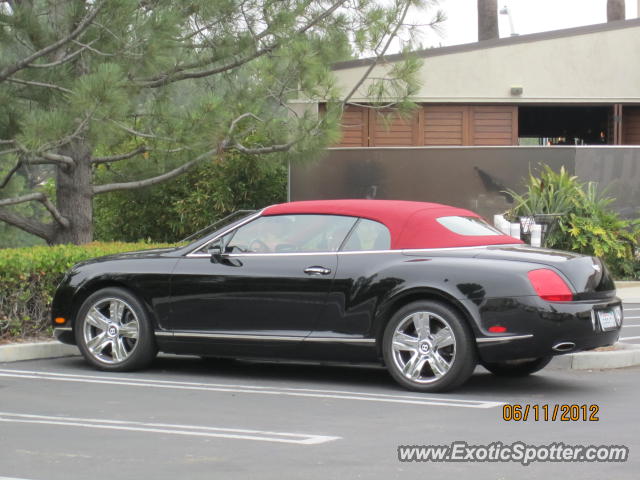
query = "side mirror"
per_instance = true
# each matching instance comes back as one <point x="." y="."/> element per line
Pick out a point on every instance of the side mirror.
<point x="221" y="257"/>
<point x="215" y="250"/>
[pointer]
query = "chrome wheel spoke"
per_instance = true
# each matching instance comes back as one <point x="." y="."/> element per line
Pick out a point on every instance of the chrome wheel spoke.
<point x="433" y="343"/>
<point x="129" y="330"/>
<point x="442" y="339"/>
<point x="421" y="322"/>
<point x="118" y="352"/>
<point x="116" y="309"/>
<point x="413" y="367"/>
<point x="405" y="343"/>
<point x="438" y="365"/>
<point x="97" y="319"/>
<point x="111" y="322"/>
<point x="98" y="343"/>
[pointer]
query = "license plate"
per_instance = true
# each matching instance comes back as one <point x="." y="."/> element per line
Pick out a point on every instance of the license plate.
<point x="607" y="320"/>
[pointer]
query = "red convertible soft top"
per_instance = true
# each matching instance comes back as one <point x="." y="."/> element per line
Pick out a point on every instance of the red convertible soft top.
<point x="411" y="224"/>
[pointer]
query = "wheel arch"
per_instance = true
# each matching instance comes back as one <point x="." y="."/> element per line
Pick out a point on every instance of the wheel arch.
<point x="395" y="303"/>
<point x="101" y="283"/>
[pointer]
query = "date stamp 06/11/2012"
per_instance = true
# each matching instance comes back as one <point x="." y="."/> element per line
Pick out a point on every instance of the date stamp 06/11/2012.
<point x="550" y="412"/>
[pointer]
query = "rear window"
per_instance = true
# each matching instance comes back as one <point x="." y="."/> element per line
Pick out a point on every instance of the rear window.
<point x="470" y="226"/>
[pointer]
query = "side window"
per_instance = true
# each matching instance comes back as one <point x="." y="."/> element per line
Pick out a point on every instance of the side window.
<point x="291" y="233"/>
<point x="368" y="235"/>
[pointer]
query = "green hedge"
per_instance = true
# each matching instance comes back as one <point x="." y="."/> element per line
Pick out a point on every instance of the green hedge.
<point x="29" y="277"/>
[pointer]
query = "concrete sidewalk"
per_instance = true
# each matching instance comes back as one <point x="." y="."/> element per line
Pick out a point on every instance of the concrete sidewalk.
<point x="629" y="292"/>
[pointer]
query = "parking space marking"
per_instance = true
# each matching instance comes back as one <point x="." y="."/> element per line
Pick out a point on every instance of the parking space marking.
<point x="629" y="338"/>
<point x="255" y="389"/>
<point x="189" y="430"/>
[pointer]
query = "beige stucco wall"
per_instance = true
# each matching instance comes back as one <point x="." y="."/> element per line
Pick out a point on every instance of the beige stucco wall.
<point x="596" y="67"/>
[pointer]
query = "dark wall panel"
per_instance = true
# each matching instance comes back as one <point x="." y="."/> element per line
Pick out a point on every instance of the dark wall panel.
<point x="471" y="177"/>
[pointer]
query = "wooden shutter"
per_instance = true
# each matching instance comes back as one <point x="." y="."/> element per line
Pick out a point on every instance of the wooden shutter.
<point x="392" y="130"/>
<point x="355" y="127"/>
<point x="494" y="125"/>
<point x="445" y="125"/>
<point x="631" y="125"/>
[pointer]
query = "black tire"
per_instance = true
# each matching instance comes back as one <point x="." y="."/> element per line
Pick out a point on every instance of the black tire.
<point x="118" y="335"/>
<point x="459" y="355"/>
<point x="517" y="368"/>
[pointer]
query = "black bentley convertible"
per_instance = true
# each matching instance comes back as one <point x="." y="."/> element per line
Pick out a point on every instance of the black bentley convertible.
<point x="428" y="290"/>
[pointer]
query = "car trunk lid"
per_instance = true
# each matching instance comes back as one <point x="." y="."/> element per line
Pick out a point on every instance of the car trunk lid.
<point x="588" y="275"/>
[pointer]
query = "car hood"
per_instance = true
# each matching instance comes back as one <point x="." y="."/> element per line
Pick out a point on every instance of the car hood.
<point x="149" y="253"/>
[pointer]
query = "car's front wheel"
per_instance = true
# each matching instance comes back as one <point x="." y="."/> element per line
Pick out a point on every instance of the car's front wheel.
<point x="428" y="347"/>
<point x="517" y="368"/>
<point x="113" y="331"/>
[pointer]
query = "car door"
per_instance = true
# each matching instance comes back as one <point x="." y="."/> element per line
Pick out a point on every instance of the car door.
<point x="267" y="279"/>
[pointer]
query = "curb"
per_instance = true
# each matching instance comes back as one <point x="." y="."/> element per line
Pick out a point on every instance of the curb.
<point x="16" y="352"/>
<point x="627" y="355"/>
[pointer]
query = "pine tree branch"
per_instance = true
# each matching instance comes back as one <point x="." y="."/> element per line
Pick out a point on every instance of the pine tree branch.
<point x="179" y="74"/>
<point x="141" y="134"/>
<point x="285" y="147"/>
<point x="24" y="63"/>
<point x="122" y="156"/>
<point x="133" y="153"/>
<point x="10" y="150"/>
<point x="39" y="84"/>
<point x="37" y="197"/>
<point x="112" y="187"/>
<point x="63" y="60"/>
<point x="378" y="57"/>
<point x="7" y="178"/>
<point x="39" y="229"/>
<point x="55" y="213"/>
<point x="30" y="197"/>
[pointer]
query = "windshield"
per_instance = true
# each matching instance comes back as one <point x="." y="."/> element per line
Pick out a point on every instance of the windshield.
<point x="223" y="222"/>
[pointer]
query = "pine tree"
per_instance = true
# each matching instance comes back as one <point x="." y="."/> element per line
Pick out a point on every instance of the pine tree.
<point x="86" y="83"/>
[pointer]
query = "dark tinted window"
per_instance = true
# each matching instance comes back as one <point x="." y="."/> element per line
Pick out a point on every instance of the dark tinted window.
<point x="291" y="233"/>
<point x="368" y="235"/>
<point x="471" y="226"/>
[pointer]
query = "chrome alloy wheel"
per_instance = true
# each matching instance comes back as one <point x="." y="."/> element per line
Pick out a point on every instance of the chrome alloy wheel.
<point x="110" y="330"/>
<point x="423" y="347"/>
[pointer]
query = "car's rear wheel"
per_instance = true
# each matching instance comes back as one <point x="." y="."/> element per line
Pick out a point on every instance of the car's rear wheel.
<point x="517" y="368"/>
<point x="113" y="331"/>
<point x="428" y="347"/>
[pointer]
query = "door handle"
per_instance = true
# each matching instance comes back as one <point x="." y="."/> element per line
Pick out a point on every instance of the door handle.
<point x="316" y="270"/>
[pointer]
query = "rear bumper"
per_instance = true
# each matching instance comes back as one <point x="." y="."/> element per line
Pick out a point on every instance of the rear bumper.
<point x="535" y="327"/>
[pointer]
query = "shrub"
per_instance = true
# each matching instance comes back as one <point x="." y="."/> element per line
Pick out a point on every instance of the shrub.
<point x="173" y="210"/>
<point x="586" y="225"/>
<point x="29" y="277"/>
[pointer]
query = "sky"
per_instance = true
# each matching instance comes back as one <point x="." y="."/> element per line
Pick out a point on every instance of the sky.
<point x="529" y="16"/>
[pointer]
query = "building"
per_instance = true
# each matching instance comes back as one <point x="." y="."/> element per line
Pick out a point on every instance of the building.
<point x="579" y="86"/>
<point x="487" y="113"/>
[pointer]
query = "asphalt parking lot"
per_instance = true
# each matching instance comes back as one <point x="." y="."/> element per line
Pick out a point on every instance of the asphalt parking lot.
<point x="187" y="418"/>
<point x="631" y="327"/>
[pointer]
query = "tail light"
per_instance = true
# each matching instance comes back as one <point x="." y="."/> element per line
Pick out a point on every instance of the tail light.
<point x="550" y="286"/>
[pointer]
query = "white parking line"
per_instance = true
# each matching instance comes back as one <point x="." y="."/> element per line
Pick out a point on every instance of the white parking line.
<point x="255" y="389"/>
<point x="630" y="326"/>
<point x="630" y="318"/>
<point x="631" y="309"/>
<point x="191" y="430"/>
<point x="629" y="338"/>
